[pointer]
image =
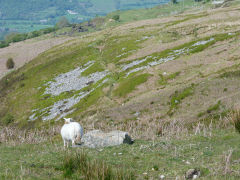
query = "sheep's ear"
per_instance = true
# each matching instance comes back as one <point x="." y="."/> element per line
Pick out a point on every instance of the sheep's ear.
<point x="66" y="120"/>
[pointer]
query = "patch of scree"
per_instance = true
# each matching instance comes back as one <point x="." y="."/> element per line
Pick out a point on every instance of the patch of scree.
<point x="71" y="80"/>
<point x="172" y="55"/>
<point x="63" y="107"/>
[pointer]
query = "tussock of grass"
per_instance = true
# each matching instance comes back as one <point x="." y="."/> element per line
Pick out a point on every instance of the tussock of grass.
<point x="164" y="79"/>
<point x="215" y="107"/>
<point x="79" y="165"/>
<point x="130" y="84"/>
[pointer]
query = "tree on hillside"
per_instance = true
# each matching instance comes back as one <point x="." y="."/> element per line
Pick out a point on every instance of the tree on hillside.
<point x="63" y="22"/>
<point x="174" y="1"/>
<point x="116" y="17"/>
<point x="10" y="63"/>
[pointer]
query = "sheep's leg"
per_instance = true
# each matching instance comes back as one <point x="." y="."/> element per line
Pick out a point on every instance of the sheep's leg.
<point x="73" y="143"/>
<point x="64" y="142"/>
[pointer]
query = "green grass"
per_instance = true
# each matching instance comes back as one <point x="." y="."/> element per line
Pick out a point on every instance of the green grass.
<point x="78" y="164"/>
<point x="130" y="84"/>
<point x="165" y="157"/>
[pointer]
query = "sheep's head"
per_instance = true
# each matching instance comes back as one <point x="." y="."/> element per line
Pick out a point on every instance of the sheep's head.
<point x="68" y="120"/>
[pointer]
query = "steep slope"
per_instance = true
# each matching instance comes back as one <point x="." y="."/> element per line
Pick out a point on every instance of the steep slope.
<point x="166" y="68"/>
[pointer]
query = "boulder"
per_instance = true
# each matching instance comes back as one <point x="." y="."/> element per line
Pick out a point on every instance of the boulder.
<point x="99" y="139"/>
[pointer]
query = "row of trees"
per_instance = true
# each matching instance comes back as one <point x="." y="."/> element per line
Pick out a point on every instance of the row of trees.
<point x="16" y="37"/>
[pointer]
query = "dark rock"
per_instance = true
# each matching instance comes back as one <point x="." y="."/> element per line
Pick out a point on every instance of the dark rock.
<point x="192" y="173"/>
<point x="90" y="82"/>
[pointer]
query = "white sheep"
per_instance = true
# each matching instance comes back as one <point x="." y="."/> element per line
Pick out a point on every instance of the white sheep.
<point x="71" y="132"/>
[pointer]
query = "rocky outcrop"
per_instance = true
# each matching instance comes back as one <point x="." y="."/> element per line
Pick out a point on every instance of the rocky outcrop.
<point x="99" y="139"/>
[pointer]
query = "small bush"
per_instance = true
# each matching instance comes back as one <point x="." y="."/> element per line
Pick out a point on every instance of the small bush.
<point x="10" y="63"/>
<point x="7" y="119"/>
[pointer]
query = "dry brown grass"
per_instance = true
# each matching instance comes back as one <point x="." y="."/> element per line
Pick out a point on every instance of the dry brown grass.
<point x="16" y="136"/>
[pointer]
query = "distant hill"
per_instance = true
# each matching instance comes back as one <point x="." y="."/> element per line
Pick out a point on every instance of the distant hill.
<point x="29" y="15"/>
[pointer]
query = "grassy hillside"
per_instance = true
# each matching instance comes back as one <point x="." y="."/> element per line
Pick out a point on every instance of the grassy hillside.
<point x="172" y="82"/>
